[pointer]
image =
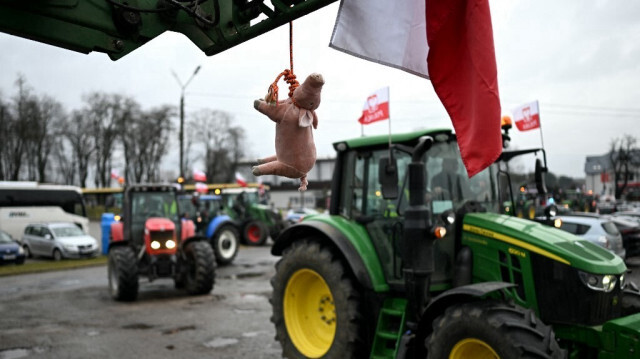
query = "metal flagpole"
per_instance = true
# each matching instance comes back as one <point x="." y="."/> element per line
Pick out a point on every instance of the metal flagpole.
<point x="540" y="124"/>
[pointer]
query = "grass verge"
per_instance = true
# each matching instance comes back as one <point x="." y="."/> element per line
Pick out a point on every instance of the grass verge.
<point x="50" y="265"/>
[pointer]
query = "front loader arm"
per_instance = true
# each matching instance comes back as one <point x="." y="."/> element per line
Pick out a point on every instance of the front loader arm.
<point x="117" y="27"/>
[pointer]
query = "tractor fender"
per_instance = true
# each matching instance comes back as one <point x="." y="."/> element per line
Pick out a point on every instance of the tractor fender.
<point x="117" y="231"/>
<point x="329" y="235"/>
<point x="458" y="295"/>
<point x="216" y="223"/>
<point x="188" y="229"/>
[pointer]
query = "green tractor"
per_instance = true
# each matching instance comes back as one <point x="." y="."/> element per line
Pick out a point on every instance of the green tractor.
<point x="414" y="263"/>
<point x="257" y="220"/>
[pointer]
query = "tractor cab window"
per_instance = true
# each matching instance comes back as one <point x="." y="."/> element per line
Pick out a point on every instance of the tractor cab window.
<point x="154" y="204"/>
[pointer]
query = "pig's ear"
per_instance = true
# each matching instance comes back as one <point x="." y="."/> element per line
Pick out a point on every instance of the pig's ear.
<point x="315" y="120"/>
<point x="305" y="117"/>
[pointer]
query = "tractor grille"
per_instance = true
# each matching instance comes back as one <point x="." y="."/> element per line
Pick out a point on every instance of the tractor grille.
<point x="564" y="299"/>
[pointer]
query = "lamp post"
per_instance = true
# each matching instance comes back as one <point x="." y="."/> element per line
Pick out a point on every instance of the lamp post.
<point x="181" y="135"/>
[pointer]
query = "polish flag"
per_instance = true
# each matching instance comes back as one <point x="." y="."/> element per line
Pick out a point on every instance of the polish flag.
<point x="201" y="187"/>
<point x="527" y="116"/>
<point x="199" y="176"/>
<point x="114" y="174"/>
<point x="449" y="42"/>
<point x="376" y="107"/>
<point x="240" y="180"/>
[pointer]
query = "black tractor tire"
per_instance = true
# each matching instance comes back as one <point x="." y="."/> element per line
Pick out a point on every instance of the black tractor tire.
<point x="122" y="270"/>
<point x="255" y="233"/>
<point x="200" y="274"/>
<point x="225" y="243"/>
<point x="322" y="308"/>
<point x="491" y="329"/>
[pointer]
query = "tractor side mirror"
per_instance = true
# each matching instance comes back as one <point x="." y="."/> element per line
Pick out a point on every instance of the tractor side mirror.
<point x="388" y="177"/>
<point x="539" y="175"/>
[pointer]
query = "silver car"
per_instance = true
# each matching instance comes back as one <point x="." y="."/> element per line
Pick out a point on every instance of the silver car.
<point x="600" y="231"/>
<point x="58" y="240"/>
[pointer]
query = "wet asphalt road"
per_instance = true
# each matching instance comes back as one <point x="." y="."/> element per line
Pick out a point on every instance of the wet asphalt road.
<point x="69" y="314"/>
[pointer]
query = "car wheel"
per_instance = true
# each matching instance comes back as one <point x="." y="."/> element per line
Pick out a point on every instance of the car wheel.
<point x="27" y="251"/>
<point x="57" y="255"/>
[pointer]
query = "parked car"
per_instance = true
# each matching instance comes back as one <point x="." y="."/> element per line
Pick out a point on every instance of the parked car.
<point x="630" y="230"/>
<point x="297" y="214"/>
<point x="595" y="229"/>
<point x="634" y="215"/>
<point x="58" y="240"/>
<point x="10" y="249"/>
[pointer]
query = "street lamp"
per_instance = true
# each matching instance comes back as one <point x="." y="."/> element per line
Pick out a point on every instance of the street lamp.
<point x="182" y="87"/>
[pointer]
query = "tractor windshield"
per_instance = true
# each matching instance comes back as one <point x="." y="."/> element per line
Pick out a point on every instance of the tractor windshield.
<point x="153" y="204"/>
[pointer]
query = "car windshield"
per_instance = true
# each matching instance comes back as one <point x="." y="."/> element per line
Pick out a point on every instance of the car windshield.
<point x="71" y="231"/>
<point x="5" y="238"/>
<point x="610" y="228"/>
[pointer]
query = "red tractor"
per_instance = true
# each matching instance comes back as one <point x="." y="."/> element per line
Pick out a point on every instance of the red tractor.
<point x="153" y="240"/>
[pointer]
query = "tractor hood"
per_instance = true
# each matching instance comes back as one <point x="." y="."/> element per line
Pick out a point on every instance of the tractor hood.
<point x="159" y="224"/>
<point x="544" y="240"/>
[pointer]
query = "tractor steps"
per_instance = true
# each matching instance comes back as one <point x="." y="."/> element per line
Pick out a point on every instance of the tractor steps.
<point x="390" y="328"/>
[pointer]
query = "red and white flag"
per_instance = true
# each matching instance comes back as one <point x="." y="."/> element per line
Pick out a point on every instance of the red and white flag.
<point x="114" y="174"/>
<point x="240" y="180"/>
<point x="199" y="176"/>
<point x="201" y="187"/>
<point x="376" y="107"/>
<point x="527" y="116"/>
<point x="451" y="43"/>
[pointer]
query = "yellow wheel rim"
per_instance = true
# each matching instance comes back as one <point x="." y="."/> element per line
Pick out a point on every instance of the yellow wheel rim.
<point x="532" y="213"/>
<point x="472" y="348"/>
<point x="309" y="313"/>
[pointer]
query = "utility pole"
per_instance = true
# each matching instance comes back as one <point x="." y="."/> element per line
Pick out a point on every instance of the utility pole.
<point x="181" y="135"/>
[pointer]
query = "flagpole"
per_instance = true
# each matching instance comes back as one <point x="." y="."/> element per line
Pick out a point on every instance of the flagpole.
<point x="389" y="106"/>
<point x="540" y="124"/>
<point x="361" y="130"/>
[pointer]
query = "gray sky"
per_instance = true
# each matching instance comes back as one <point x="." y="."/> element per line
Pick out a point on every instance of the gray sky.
<point x="580" y="60"/>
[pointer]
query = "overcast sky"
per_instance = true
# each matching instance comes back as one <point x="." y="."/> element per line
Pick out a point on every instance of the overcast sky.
<point x="580" y="60"/>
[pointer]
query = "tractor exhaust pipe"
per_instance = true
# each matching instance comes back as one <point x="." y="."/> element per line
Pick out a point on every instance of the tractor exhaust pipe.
<point x="418" y="242"/>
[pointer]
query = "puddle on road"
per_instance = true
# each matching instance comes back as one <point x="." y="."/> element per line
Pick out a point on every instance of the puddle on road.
<point x="244" y="311"/>
<point x="179" y="329"/>
<point x="220" y="342"/>
<point x="93" y="333"/>
<point x="17" y="353"/>
<point x="137" y="326"/>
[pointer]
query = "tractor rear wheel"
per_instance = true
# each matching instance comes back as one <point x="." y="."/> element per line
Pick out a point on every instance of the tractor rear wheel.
<point x="225" y="244"/>
<point x="491" y="329"/>
<point x="123" y="274"/>
<point x="200" y="274"/>
<point x="255" y="233"/>
<point x="315" y="304"/>
<point x="531" y="212"/>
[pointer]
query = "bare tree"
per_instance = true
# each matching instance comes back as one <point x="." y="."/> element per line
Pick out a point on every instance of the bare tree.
<point x="145" y="142"/>
<point x="622" y="154"/>
<point x="18" y="128"/>
<point x="78" y="133"/>
<point x="223" y="143"/>
<point x="105" y="112"/>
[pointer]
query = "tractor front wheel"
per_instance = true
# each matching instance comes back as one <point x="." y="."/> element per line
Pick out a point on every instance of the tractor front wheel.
<point x="255" y="233"/>
<point x="315" y="304"/>
<point x="225" y="244"/>
<point x="491" y="329"/>
<point x="200" y="263"/>
<point x="123" y="274"/>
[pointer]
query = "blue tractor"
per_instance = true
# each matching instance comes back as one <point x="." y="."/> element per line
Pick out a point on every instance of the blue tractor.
<point x="222" y="231"/>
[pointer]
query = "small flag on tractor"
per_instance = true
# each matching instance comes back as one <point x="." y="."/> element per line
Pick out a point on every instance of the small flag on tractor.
<point x="240" y="180"/>
<point x="376" y="107"/>
<point x="114" y="174"/>
<point x="199" y="176"/>
<point x="201" y="187"/>
<point x="527" y="116"/>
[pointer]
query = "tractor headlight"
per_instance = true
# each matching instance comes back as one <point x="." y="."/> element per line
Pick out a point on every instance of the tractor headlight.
<point x="155" y="245"/>
<point x="604" y="283"/>
<point x="623" y="281"/>
<point x="170" y="244"/>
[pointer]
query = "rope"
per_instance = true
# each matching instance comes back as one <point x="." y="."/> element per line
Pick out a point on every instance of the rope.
<point x="289" y="77"/>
